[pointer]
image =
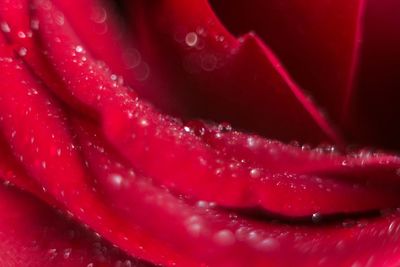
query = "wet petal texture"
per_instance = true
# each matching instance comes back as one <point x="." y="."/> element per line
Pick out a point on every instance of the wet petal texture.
<point x="343" y="52"/>
<point x="217" y="76"/>
<point x="171" y="190"/>
<point x="33" y="234"/>
<point x="146" y="138"/>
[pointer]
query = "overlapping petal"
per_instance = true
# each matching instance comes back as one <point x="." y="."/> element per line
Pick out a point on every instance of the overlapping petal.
<point x="78" y="138"/>
<point x="33" y="234"/>
<point x="317" y="41"/>
<point x="169" y="152"/>
<point x="217" y="76"/>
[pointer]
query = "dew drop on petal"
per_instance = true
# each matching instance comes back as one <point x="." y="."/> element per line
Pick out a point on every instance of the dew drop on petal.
<point x="191" y="39"/>
<point x="67" y="253"/>
<point x="268" y="244"/>
<point x="224" y="237"/>
<point x="116" y="179"/>
<point x="220" y="38"/>
<point x="22" y="51"/>
<point x="98" y="15"/>
<point x="79" y="49"/>
<point x="251" y="142"/>
<point x="202" y="204"/>
<point x="21" y="35"/>
<point x="59" y="18"/>
<point x="316" y="217"/>
<point x="5" y="27"/>
<point x="144" y="122"/>
<point x="255" y="173"/>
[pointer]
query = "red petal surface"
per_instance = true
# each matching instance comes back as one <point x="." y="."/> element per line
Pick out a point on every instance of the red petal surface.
<point x="126" y="167"/>
<point x="317" y="41"/>
<point x="102" y="33"/>
<point x="43" y="145"/>
<point x="374" y="109"/>
<point x="19" y="28"/>
<point x="169" y="152"/>
<point x="214" y="75"/>
<point x="343" y="52"/>
<point x="33" y="234"/>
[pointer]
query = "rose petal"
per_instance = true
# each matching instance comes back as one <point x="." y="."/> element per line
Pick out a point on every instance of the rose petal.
<point x="32" y="234"/>
<point x="373" y="108"/>
<point x="37" y="129"/>
<point x="216" y="76"/>
<point x="97" y="25"/>
<point x="317" y="41"/>
<point x="217" y="238"/>
<point x="20" y="31"/>
<point x="170" y="152"/>
<point x="234" y="240"/>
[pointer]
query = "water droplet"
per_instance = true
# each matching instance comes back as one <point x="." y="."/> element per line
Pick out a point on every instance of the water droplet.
<point x="5" y="27"/>
<point x="99" y="15"/>
<point x="201" y="31"/>
<point x="316" y="217"/>
<point x="22" y="51"/>
<point x="67" y="253"/>
<point x="191" y="39"/>
<point x="241" y="233"/>
<point x="220" y="38"/>
<point x="116" y="179"/>
<point x="391" y="227"/>
<point x="21" y="35"/>
<point x="268" y="244"/>
<point x="52" y="253"/>
<point x="202" y="204"/>
<point x="143" y="122"/>
<point x="224" y="237"/>
<point x="254" y="236"/>
<point x="194" y="225"/>
<point x="251" y="142"/>
<point x="255" y="173"/>
<point x="79" y="49"/>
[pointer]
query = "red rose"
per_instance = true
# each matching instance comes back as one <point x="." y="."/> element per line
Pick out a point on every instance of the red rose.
<point x="153" y="134"/>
